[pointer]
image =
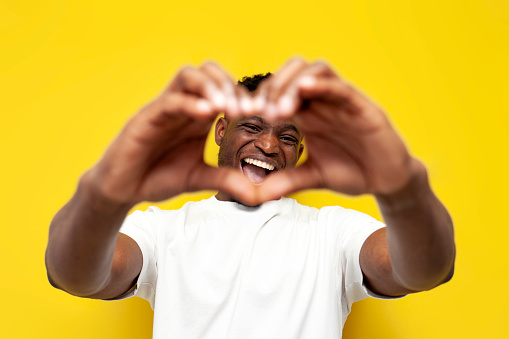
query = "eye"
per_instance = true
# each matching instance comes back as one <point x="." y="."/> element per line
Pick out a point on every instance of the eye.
<point x="289" y="139"/>
<point x="251" y="128"/>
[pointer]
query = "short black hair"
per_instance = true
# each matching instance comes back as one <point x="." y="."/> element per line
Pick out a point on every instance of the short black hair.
<point x="252" y="82"/>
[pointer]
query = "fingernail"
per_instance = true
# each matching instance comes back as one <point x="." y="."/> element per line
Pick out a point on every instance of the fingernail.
<point x="203" y="106"/>
<point x="231" y="101"/>
<point x="307" y="81"/>
<point x="215" y="95"/>
<point x="285" y="104"/>
<point x="260" y="102"/>
<point x="231" y="105"/>
<point x="246" y="105"/>
<point x="271" y="111"/>
<point x="219" y="99"/>
<point x="228" y="89"/>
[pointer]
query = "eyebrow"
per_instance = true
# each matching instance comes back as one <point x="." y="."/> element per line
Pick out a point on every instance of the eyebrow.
<point x="285" y="126"/>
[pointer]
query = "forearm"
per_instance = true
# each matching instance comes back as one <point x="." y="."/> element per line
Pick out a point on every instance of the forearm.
<point x="420" y="234"/>
<point x="82" y="241"/>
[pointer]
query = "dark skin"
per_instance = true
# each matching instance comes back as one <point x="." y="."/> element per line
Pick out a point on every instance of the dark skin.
<point x="352" y="149"/>
<point x="278" y="144"/>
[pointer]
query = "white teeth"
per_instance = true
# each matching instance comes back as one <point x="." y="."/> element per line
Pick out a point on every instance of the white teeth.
<point x="259" y="163"/>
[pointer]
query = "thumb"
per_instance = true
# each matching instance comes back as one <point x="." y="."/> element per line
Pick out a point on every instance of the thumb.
<point x="289" y="181"/>
<point x="226" y="180"/>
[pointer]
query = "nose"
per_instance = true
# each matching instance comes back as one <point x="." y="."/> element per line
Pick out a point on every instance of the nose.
<point x="268" y="143"/>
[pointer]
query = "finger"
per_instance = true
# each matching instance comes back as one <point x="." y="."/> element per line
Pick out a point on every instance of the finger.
<point x="260" y="101"/>
<point x="290" y="100"/>
<point x="246" y="104"/>
<point x="216" y="73"/>
<point x="226" y="180"/>
<point x="223" y="82"/>
<point x="309" y="177"/>
<point x="193" y="81"/>
<point x="271" y="90"/>
<point x="226" y="86"/>
<point x="181" y="103"/>
<point x="317" y="119"/>
<point x="333" y="90"/>
<point x="283" y="77"/>
<point x="289" y="181"/>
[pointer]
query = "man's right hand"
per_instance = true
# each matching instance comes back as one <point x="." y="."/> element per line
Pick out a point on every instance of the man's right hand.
<point x="159" y="153"/>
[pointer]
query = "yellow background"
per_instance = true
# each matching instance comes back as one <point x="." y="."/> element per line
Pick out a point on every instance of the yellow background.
<point x="72" y="72"/>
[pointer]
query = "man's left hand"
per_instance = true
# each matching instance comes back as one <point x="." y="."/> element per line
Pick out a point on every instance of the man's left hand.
<point x="352" y="147"/>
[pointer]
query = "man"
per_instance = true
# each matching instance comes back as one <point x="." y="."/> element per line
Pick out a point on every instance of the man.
<point x="248" y="263"/>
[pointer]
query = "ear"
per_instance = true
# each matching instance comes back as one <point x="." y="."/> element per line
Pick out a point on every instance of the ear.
<point x="221" y="127"/>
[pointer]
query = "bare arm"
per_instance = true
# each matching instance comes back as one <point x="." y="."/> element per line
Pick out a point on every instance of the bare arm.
<point x="158" y="154"/>
<point x="416" y="251"/>
<point x="86" y="256"/>
<point x="353" y="149"/>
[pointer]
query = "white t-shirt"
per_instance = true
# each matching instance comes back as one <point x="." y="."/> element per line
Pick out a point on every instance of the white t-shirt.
<point x="216" y="269"/>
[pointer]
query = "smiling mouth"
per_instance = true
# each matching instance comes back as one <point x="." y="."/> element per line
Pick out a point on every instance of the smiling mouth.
<point x="256" y="170"/>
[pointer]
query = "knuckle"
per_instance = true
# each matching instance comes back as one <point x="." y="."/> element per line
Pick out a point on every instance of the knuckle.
<point x="185" y="71"/>
<point x="209" y="64"/>
<point x="324" y="68"/>
<point x="321" y="64"/>
<point x="278" y="83"/>
<point x="297" y="60"/>
<point x="182" y="76"/>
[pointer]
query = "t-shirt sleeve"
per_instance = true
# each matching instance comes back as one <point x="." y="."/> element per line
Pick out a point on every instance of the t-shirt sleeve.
<point x="352" y="229"/>
<point x="142" y="228"/>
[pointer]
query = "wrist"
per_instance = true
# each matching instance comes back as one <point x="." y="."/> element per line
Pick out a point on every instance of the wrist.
<point x="407" y="197"/>
<point x="90" y="192"/>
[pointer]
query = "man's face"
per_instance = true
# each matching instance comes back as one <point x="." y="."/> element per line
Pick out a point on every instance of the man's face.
<point x="257" y="147"/>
